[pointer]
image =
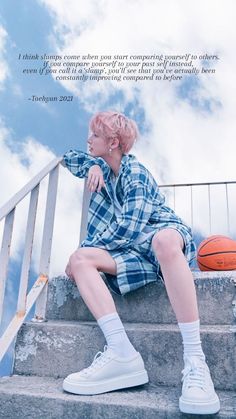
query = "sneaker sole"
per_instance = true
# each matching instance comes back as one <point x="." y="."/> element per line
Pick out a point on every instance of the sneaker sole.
<point x="199" y="408"/>
<point x="105" y="386"/>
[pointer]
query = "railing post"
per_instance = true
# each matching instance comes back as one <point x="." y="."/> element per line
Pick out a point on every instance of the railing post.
<point x="4" y="255"/>
<point x="44" y="264"/>
<point x="85" y="208"/>
<point x="29" y="235"/>
<point x="227" y="208"/>
<point x="209" y="207"/>
<point x="84" y="214"/>
<point x="191" y="190"/>
<point x="174" y="198"/>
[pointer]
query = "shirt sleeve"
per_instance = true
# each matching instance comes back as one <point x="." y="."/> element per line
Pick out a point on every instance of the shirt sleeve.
<point x="79" y="162"/>
<point x="135" y="214"/>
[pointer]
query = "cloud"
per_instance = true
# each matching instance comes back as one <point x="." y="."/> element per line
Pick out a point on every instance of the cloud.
<point x="188" y="137"/>
<point x="18" y="166"/>
<point x="188" y="131"/>
<point x="4" y="70"/>
<point x="183" y="130"/>
<point x="190" y="126"/>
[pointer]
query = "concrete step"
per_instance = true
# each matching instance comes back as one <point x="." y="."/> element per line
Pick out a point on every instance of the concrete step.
<point x="58" y="348"/>
<point x="23" y="397"/>
<point x="215" y="291"/>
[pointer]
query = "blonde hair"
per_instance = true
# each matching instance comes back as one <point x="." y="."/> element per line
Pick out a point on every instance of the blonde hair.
<point x="110" y="124"/>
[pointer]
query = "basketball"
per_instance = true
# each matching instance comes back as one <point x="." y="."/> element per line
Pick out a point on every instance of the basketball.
<point x="217" y="253"/>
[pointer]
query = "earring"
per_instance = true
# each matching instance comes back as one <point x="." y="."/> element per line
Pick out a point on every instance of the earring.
<point x="110" y="150"/>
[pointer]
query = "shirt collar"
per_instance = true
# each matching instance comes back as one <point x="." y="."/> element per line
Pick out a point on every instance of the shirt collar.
<point x="124" y="161"/>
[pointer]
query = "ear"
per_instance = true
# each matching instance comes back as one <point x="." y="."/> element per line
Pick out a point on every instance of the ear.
<point x="114" y="143"/>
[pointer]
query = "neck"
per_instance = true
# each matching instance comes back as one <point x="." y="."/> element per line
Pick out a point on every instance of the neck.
<point x="114" y="161"/>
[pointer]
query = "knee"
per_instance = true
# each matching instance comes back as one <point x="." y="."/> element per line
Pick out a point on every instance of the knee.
<point x="166" y="245"/>
<point x="78" y="260"/>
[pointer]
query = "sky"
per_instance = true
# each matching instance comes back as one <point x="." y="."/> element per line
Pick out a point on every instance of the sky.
<point x="187" y="128"/>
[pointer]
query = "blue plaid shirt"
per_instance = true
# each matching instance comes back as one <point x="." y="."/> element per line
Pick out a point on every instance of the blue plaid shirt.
<point x="137" y="192"/>
<point x="142" y="205"/>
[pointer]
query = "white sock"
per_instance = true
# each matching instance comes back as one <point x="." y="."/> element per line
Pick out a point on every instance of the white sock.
<point x="191" y="339"/>
<point x="115" y="335"/>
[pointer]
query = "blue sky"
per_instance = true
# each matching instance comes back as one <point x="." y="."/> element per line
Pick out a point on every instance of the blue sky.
<point x="31" y="28"/>
<point x="187" y="128"/>
<point x="28" y="29"/>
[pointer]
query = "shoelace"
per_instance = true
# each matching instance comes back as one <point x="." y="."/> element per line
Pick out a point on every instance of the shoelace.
<point x="194" y="374"/>
<point x="99" y="360"/>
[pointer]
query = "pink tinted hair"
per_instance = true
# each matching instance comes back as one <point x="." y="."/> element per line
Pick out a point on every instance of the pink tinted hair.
<point x="111" y="124"/>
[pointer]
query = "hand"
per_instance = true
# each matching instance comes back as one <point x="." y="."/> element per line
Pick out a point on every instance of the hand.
<point x="95" y="178"/>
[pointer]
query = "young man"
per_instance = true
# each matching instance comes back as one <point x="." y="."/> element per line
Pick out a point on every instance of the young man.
<point x="134" y="238"/>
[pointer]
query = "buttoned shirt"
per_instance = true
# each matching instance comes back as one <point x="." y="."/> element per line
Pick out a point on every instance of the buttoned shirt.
<point x="142" y="210"/>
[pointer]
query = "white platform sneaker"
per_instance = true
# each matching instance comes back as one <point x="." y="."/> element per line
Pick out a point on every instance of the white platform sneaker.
<point x="107" y="372"/>
<point x="198" y="393"/>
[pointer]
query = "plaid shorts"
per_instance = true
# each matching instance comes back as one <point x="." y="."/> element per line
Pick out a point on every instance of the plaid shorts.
<point x="139" y="266"/>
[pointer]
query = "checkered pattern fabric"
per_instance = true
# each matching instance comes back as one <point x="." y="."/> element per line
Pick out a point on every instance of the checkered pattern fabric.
<point x="142" y="205"/>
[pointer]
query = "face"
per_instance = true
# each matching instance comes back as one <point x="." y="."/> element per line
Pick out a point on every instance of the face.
<point x="98" y="146"/>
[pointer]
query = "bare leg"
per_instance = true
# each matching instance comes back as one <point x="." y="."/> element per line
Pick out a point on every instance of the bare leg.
<point x="195" y="398"/>
<point x="83" y="266"/>
<point x="167" y="245"/>
<point x="120" y="365"/>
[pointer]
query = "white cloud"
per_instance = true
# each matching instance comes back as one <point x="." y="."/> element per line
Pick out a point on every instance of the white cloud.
<point x="18" y="167"/>
<point x="180" y="133"/>
<point x="185" y="141"/>
<point x="3" y="64"/>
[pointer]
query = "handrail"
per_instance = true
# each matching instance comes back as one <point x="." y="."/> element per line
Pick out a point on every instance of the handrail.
<point x="38" y="292"/>
<point x="11" y="204"/>
<point x="208" y="185"/>
<point x="196" y="184"/>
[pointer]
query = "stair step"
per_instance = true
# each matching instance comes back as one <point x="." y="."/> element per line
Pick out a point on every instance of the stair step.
<point x="58" y="348"/>
<point x="23" y="397"/>
<point x="215" y="291"/>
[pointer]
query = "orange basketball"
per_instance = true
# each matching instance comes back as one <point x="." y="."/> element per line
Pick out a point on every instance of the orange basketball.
<point x="217" y="253"/>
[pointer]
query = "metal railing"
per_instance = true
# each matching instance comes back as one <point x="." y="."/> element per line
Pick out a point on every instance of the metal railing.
<point x="38" y="292"/>
<point x="209" y="185"/>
